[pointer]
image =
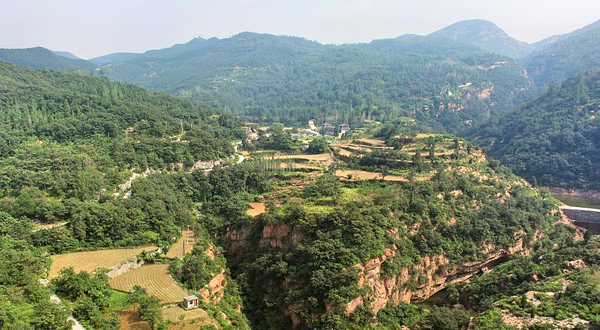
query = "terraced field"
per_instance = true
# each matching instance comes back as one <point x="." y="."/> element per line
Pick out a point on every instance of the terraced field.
<point x="300" y="166"/>
<point x="90" y="260"/>
<point x="256" y="209"/>
<point x="192" y="319"/>
<point x="358" y="175"/>
<point x="155" y="279"/>
<point x="185" y="243"/>
<point x="326" y="159"/>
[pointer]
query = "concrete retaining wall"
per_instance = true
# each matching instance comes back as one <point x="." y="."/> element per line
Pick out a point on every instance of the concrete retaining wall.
<point x="583" y="217"/>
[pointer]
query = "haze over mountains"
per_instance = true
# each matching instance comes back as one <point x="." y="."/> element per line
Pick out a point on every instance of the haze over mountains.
<point x="384" y="185"/>
<point x="451" y="80"/>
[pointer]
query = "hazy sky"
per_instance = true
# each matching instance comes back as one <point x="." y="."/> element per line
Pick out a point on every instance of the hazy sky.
<point x="90" y="28"/>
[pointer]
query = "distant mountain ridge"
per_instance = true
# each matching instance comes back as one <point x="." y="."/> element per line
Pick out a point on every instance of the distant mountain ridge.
<point x="554" y="137"/>
<point x="569" y="55"/>
<point x="485" y="35"/>
<point x="67" y="55"/>
<point x="42" y="58"/>
<point x="155" y="53"/>
<point x="562" y="37"/>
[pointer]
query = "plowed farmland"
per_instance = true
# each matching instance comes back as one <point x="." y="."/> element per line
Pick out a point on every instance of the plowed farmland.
<point x="88" y="261"/>
<point x="325" y="159"/>
<point x="256" y="209"/>
<point x="186" y="242"/>
<point x="155" y="279"/>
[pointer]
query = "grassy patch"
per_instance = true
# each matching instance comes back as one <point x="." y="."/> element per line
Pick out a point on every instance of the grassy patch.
<point x="118" y="301"/>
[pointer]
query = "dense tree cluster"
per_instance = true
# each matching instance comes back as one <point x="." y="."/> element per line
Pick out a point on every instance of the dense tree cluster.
<point x="554" y="138"/>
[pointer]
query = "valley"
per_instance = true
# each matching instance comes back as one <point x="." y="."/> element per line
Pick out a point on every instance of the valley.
<point x="265" y="181"/>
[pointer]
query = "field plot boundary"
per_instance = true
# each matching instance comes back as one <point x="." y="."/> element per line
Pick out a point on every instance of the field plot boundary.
<point x="155" y="278"/>
<point x="177" y="248"/>
<point x="90" y="260"/>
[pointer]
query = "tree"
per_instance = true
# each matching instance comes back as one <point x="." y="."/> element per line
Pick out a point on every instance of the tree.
<point x="318" y="146"/>
<point x="50" y="316"/>
<point x="491" y="320"/>
<point x="444" y="318"/>
<point x="149" y="308"/>
<point x="384" y="171"/>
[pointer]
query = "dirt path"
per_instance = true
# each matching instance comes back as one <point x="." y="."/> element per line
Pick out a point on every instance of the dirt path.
<point x="184" y="245"/>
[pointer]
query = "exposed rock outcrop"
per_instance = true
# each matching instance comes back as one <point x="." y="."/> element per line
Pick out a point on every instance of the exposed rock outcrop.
<point x="436" y="273"/>
<point x="274" y="235"/>
<point x="215" y="289"/>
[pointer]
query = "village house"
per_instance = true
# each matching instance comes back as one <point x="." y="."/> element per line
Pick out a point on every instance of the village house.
<point x="344" y="128"/>
<point x="328" y="129"/>
<point x="189" y="302"/>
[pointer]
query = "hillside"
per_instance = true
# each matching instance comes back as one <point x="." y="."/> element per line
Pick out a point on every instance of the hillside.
<point x="566" y="57"/>
<point x="554" y="138"/>
<point x="89" y="164"/>
<point x="485" y="35"/>
<point x="344" y="235"/>
<point x="42" y="58"/>
<point x="562" y="37"/>
<point x="292" y="80"/>
<point x="361" y="247"/>
<point x="67" y="55"/>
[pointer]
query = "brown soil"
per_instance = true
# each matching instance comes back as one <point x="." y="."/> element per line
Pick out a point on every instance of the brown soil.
<point x="256" y="209"/>
<point x="90" y="260"/>
<point x="155" y="279"/>
<point x="177" y="249"/>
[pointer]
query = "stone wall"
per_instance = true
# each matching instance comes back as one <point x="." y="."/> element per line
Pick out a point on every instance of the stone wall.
<point x="586" y="218"/>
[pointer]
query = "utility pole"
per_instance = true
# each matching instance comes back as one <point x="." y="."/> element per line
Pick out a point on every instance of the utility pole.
<point x="187" y="236"/>
<point x="183" y="243"/>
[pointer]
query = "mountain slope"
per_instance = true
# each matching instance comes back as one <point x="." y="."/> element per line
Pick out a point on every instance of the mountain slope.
<point x="155" y="54"/>
<point x="42" y="58"/>
<point x="553" y="39"/>
<point x="114" y="58"/>
<point x="278" y="78"/>
<point x="554" y="138"/>
<point x="485" y="35"/>
<point x="104" y="165"/>
<point x="565" y="58"/>
<point x="67" y="55"/>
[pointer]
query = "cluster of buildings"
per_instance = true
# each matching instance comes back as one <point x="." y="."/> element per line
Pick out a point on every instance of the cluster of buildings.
<point x="330" y="129"/>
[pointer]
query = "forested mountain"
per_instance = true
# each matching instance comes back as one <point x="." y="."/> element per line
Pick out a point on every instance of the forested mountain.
<point x="566" y="57"/>
<point x="562" y="37"/>
<point x="554" y="138"/>
<point x="42" y="58"/>
<point x="76" y="107"/>
<point x="193" y="44"/>
<point x="485" y="35"/>
<point x="69" y="143"/>
<point x="277" y="78"/>
<point x="67" y="55"/>
<point x="114" y="58"/>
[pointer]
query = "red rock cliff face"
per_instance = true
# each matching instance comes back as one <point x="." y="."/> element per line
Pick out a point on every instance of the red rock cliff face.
<point x="274" y="235"/>
<point x="438" y="270"/>
<point x="396" y="288"/>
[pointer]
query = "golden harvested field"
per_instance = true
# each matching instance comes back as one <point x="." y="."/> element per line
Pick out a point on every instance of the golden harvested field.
<point x="323" y="158"/>
<point x="300" y="166"/>
<point x="358" y="175"/>
<point x="426" y="153"/>
<point x="90" y="260"/>
<point x="344" y="152"/>
<point x="374" y="142"/>
<point x="176" y="249"/>
<point x="155" y="279"/>
<point x="194" y="318"/>
<point x="256" y="209"/>
<point x="423" y="135"/>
